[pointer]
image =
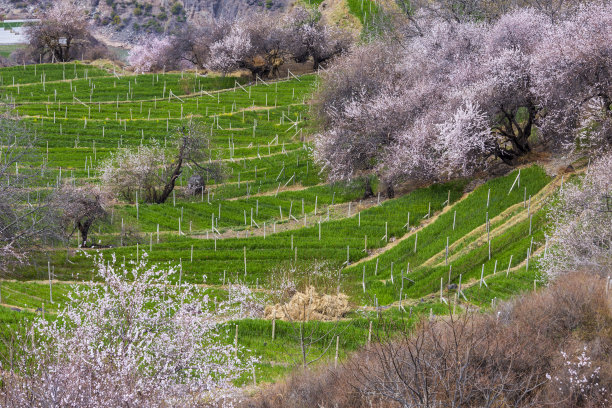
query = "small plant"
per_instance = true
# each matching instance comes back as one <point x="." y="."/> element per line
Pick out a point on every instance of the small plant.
<point x="177" y="9"/>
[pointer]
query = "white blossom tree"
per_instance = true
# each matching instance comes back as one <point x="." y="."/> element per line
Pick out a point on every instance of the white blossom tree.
<point x="309" y="37"/>
<point x="463" y="94"/>
<point x="138" y="339"/>
<point x="581" y="224"/>
<point x="573" y="80"/>
<point x="63" y="28"/>
<point x="153" y="171"/>
<point x="151" y="54"/>
<point x="227" y="54"/>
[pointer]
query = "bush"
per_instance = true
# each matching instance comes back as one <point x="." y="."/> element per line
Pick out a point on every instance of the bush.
<point x="176" y="9"/>
<point x="547" y="348"/>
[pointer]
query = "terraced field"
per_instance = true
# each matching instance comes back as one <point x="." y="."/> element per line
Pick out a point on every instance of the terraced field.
<point x="273" y="210"/>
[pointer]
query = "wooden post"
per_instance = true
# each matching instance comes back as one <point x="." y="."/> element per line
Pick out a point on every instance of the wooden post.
<point x="447" y="251"/>
<point x="527" y="263"/>
<point x="273" y="324"/>
<point x="254" y="378"/>
<point x="509" y="263"/>
<point x="363" y="280"/>
<point x="481" y="276"/>
<point x="337" y="346"/>
<point x="530" y="217"/>
<point x="50" y="282"/>
<point x="236" y="343"/>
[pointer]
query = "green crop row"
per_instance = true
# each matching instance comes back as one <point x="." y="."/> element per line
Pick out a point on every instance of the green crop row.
<point x="111" y="88"/>
<point x="466" y="215"/>
<point x="339" y="240"/>
<point x="27" y="74"/>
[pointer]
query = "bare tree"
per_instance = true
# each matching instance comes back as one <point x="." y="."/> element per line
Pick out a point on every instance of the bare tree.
<point x="193" y="43"/>
<point x="26" y="219"/>
<point x="79" y="208"/>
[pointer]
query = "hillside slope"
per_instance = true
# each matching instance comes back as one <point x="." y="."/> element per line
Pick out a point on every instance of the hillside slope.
<point x="125" y="20"/>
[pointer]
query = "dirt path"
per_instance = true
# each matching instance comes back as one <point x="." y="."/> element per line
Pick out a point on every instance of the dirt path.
<point x="413" y="231"/>
<point x="509" y="218"/>
<point x="436" y="295"/>
<point x="336" y="212"/>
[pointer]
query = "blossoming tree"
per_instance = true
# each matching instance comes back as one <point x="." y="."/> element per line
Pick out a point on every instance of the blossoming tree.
<point x="137" y="339"/>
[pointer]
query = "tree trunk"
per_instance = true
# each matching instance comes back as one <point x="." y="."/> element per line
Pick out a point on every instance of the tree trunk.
<point x="368" y="189"/>
<point x="390" y="190"/>
<point x="169" y="187"/>
<point x="516" y="135"/>
<point x="84" y="230"/>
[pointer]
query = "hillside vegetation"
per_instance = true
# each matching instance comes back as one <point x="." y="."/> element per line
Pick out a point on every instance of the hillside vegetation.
<point x="354" y="204"/>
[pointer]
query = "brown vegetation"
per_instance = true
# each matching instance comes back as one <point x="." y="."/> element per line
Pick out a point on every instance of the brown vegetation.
<point x="547" y="348"/>
<point x="310" y="305"/>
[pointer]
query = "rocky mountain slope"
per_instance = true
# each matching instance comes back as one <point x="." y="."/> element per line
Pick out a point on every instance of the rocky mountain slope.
<point x="124" y="20"/>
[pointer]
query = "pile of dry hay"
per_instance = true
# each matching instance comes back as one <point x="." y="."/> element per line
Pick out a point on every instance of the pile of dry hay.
<point x="310" y="306"/>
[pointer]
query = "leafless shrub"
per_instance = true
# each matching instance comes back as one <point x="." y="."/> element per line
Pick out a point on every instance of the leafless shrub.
<point x="26" y="217"/>
<point x="546" y="348"/>
<point x="79" y="208"/>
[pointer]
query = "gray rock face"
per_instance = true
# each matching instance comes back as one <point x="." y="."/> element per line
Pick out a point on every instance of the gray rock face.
<point x="158" y="17"/>
<point x="229" y="9"/>
<point x="192" y="8"/>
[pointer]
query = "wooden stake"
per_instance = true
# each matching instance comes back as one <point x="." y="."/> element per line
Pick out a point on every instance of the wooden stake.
<point x="50" y="282"/>
<point x="236" y="343"/>
<point x="337" y="346"/>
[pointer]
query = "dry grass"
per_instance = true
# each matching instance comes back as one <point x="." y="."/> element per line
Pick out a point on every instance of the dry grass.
<point x="510" y="358"/>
